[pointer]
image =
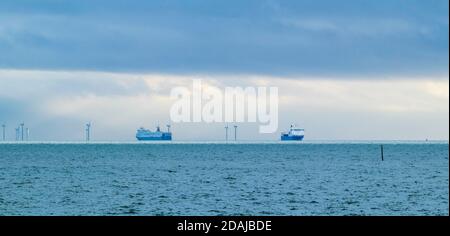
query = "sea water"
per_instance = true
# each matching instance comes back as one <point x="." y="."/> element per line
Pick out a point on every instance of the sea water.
<point x="224" y="179"/>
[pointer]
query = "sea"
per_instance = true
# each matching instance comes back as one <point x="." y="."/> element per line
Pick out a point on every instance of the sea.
<point x="216" y="178"/>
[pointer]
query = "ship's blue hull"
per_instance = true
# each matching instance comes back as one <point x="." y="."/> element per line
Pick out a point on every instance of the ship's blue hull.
<point x="292" y="138"/>
<point x="143" y="134"/>
<point x="163" y="138"/>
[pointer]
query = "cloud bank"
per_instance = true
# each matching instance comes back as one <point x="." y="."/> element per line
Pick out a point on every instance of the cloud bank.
<point x="56" y="105"/>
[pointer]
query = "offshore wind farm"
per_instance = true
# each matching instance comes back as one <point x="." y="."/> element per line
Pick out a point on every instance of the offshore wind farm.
<point x="22" y="134"/>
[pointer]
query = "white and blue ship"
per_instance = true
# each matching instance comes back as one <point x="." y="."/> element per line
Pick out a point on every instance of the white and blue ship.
<point x="294" y="134"/>
<point x="143" y="134"/>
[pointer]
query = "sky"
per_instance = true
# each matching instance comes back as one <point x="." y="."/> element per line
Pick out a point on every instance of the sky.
<point x="354" y="70"/>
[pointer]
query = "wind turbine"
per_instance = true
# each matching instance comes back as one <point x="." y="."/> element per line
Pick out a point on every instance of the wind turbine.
<point x="226" y="133"/>
<point x="4" y="134"/>
<point x="88" y="131"/>
<point x="17" y="133"/>
<point x="21" y="125"/>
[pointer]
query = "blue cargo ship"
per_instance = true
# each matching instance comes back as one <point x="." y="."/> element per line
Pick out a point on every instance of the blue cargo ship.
<point x="143" y="134"/>
<point x="294" y="134"/>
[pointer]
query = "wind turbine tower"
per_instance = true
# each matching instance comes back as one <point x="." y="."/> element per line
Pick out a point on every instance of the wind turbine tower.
<point x="21" y="126"/>
<point x="88" y="131"/>
<point x="235" y="131"/>
<point x="17" y="133"/>
<point x="226" y="133"/>
<point x="4" y="133"/>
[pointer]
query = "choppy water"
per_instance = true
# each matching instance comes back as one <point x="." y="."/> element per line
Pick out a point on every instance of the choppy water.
<point x="221" y="179"/>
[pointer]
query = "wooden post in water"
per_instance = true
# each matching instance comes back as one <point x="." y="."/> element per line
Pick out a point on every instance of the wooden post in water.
<point x="382" y="153"/>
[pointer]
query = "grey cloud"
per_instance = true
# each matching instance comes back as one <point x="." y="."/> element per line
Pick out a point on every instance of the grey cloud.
<point x="228" y="37"/>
